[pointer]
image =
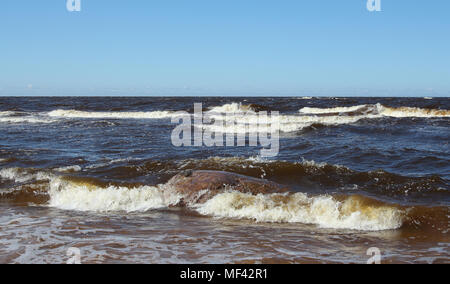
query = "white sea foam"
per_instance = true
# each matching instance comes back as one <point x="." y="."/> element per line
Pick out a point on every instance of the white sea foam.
<point x="411" y="112"/>
<point x="79" y="196"/>
<point x="287" y="123"/>
<point x="243" y="115"/>
<point x="82" y="195"/>
<point x="68" y="169"/>
<point x="24" y="119"/>
<point x="379" y="110"/>
<point x="111" y="115"/>
<point x="312" y="110"/>
<point x="312" y="163"/>
<point x="323" y="211"/>
<point x="6" y="113"/>
<point x="231" y="108"/>
<point x="14" y="117"/>
<point x="20" y="175"/>
<point x="353" y="212"/>
<point x="111" y="162"/>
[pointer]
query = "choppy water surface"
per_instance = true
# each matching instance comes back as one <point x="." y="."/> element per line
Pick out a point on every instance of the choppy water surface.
<point x="92" y="173"/>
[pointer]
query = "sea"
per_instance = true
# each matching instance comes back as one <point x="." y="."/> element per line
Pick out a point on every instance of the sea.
<point x="85" y="179"/>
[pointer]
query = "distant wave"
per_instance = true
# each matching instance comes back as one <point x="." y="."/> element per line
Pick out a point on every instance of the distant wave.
<point x="244" y="118"/>
<point x="13" y="120"/>
<point x="6" y="113"/>
<point x="240" y="118"/>
<point x="13" y="117"/>
<point x="312" y="110"/>
<point x="231" y="108"/>
<point x="287" y="123"/>
<point x="111" y="115"/>
<point x="412" y="112"/>
<point x="380" y="110"/>
<point x="372" y="111"/>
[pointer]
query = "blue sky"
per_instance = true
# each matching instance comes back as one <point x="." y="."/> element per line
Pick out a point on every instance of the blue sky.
<point x="225" y="47"/>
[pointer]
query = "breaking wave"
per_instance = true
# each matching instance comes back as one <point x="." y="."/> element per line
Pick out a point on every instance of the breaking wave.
<point x="245" y="119"/>
<point x="20" y="175"/>
<point x="82" y="195"/>
<point x="231" y="108"/>
<point x="239" y="118"/>
<point x="412" y="112"/>
<point x="354" y="212"/>
<point x="6" y="113"/>
<point x="111" y="115"/>
<point x="14" y="117"/>
<point x="380" y="110"/>
<point x="68" y="169"/>
<point x="24" y="119"/>
<point x="287" y="123"/>
<point x="312" y="110"/>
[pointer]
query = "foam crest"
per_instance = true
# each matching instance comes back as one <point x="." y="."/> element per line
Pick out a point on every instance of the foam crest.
<point x="68" y="169"/>
<point x="287" y="123"/>
<point x="85" y="196"/>
<point x="20" y="175"/>
<point x="411" y="112"/>
<point x="111" y="115"/>
<point x="312" y="110"/>
<point x="379" y="110"/>
<point x="26" y="119"/>
<point x="6" y="113"/>
<point x="354" y="212"/>
<point x="230" y="108"/>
